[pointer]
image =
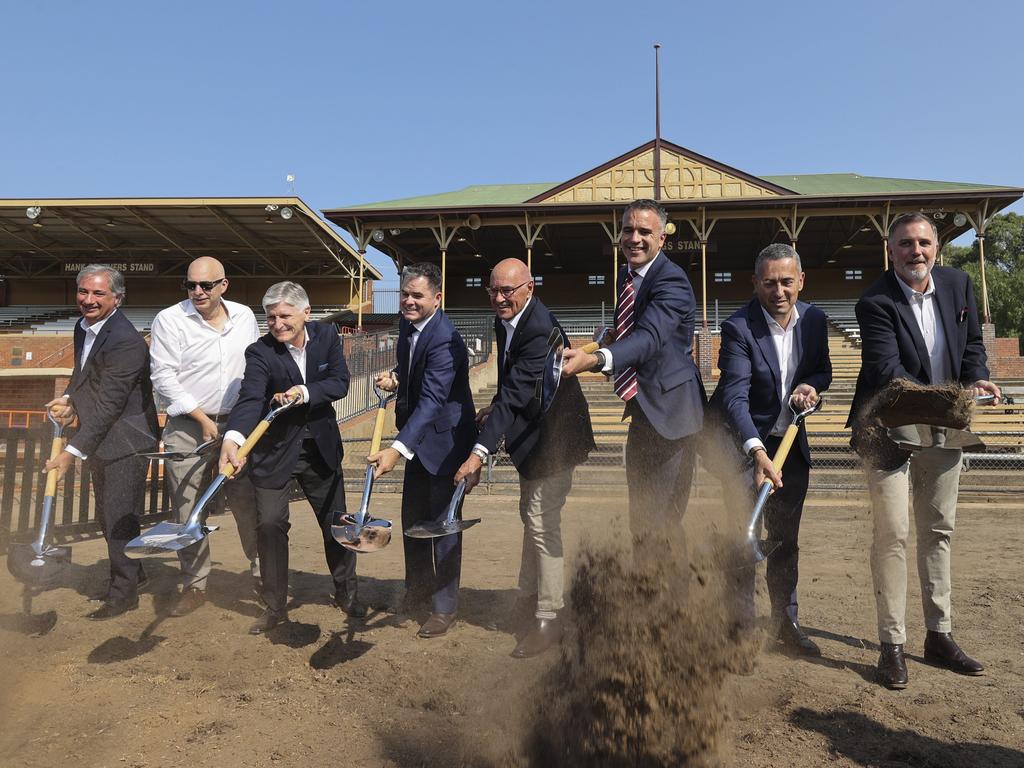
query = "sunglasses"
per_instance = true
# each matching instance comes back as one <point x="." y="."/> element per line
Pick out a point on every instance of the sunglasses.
<point x="504" y="290"/>
<point x="206" y="285"/>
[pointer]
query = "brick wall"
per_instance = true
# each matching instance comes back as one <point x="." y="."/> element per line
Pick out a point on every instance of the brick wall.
<point x="29" y="393"/>
<point x="47" y="350"/>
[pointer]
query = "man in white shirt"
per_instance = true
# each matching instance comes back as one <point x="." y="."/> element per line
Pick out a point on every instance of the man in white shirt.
<point x="917" y="322"/>
<point x="198" y="351"/>
<point x="774" y="351"/>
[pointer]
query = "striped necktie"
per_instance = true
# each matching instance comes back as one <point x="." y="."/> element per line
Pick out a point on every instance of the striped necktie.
<point x="625" y="381"/>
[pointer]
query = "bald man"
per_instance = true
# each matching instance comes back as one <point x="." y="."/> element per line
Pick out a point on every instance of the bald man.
<point x="198" y="350"/>
<point x="544" y="447"/>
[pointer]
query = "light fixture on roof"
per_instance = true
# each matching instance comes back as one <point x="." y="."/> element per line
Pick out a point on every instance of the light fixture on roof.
<point x="110" y="223"/>
<point x="270" y="208"/>
<point x="830" y="261"/>
<point x="287" y="213"/>
<point x="476" y="256"/>
<point x="473" y="221"/>
<point x="395" y="232"/>
<point x="670" y="228"/>
<point x="960" y="219"/>
<point x="460" y="239"/>
<point x="939" y="214"/>
<point x="847" y="246"/>
<point x="34" y="212"/>
<point x="377" y="235"/>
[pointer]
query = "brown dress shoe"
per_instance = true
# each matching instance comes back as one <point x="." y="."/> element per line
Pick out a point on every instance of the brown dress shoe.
<point x="941" y="650"/>
<point x="892" y="667"/>
<point x="545" y="634"/>
<point x="191" y="598"/>
<point x="268" y="621"/>
<point x="437" y="625"/>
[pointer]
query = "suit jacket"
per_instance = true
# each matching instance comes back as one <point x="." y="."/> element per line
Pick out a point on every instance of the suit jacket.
<point x="270" y="368"/>
<point x="112" y="393"/>
<point x="670" y="391"/>
<point x="892" y="346"/>
<point x="747" y="396"/>
<point x="540" y="443"/>
<point x="434" y="412"/>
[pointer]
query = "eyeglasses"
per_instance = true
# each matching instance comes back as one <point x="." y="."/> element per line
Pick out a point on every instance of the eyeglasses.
<point x="206" y="285"/>
<point x="505" y="291"/>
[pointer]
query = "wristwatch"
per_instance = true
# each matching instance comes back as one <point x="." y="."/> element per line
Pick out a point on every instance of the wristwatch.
<point x="480" y="453"/>
<point x="754" y="449"/>
<point x="602" y="361"/>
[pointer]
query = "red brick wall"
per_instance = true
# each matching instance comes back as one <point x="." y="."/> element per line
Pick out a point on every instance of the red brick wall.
<point x="48" y="350"/>
<point x="29" y="393"/>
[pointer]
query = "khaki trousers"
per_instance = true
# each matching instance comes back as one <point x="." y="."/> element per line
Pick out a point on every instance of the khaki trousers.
<point x="541" y="568"/>
<point x="187" y="480"/>
<point x="935" y="475"/>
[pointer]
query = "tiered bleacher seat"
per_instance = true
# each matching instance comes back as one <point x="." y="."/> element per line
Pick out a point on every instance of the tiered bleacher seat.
<point x="22" y="317"/>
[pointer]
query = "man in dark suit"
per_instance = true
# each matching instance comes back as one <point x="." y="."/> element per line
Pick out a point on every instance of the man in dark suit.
<point x="917" y="322"/>
<point x="774" y="351"/>
<point x="111" y="394"/>
<point x="649" y="355"/>
<point x="436" y="429"/>
<point x="295" y="359"/>
<point x="544" y="446"/>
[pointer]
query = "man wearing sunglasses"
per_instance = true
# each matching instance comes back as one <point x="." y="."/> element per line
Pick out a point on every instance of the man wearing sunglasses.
<point x="544" y="446"/>
<point x="198" y="350"/>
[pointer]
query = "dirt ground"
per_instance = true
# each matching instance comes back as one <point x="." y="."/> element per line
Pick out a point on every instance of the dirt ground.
<point x="143" y="690"/>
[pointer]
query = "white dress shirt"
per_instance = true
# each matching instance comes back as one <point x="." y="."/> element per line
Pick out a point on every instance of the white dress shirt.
<point x="417" y="329"/>
<point x="91" y="332"/>
<point x="638" y="279"/>
<point x="195" y="365"/>
<point x="926" y="314"/>
<point x="784" y="341"/>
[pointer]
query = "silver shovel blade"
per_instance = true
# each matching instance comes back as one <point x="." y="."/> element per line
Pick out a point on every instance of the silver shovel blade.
<point x="164" y="538"/>
<point x="438" y="528"/>
<point x="371" y="536"/>
<point x="914" y="437"/>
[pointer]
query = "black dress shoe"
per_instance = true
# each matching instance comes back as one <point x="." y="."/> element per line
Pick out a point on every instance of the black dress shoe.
<point x="941" y="650"/>
<point x="268" y="621"/>
<point x="892" y="667"/>
<point x="112" y="608"/>
<point x="437" y="625"/>
<point x="518" y="618"/>
<point x="545" y="634"/>
<point x="349" y="604"/>
<point x="105" y="595"/>
<point x="794" y="640"/>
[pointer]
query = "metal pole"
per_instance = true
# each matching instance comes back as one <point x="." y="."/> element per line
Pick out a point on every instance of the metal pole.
<point x="444" y="274"/>
<point x="984" y="284"/>
<point x="615" y="272"/>
<point x="704" y="279"/>
<point x="362" y="263"/>
<point x="657" y="124"/>
<point x="529" y="258"/>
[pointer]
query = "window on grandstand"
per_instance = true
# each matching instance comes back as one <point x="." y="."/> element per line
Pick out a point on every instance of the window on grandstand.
<point x="595" y="279"/>
<point x="723" y="277"/>
<point x="474" y="282"/>
<point x="854" y="274"/>
<point x="538" y="280"/>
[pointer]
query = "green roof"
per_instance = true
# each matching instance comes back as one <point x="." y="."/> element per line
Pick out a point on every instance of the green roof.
<point x="813" y="184"/>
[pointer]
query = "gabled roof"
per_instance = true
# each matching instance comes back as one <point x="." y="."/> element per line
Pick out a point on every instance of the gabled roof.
<point x="855" y="184"/>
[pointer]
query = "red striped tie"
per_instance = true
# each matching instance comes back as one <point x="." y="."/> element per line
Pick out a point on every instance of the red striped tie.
<point x="625" y="381"/>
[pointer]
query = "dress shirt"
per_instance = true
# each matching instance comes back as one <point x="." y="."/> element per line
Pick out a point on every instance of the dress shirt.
<point x="784" y="341"/>
<point x="299" y="356"/>
<point x="510" y="329"/>
<point x="926" y="314"/>
<point x="398" y="445"/>
<point x="194" y="364"/>
<point x="91" y="332"/>
<point x="638" y="279"/>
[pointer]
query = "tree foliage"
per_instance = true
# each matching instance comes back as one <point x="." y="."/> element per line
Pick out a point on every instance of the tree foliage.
<point x="1004" y="271"/>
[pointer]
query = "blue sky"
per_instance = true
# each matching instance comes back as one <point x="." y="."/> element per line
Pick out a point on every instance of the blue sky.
<point x="371" y="101"/>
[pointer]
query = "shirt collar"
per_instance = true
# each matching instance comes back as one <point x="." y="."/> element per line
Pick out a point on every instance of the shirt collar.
<point x="305" y="344"/>
<point x="643" y="270"/>
<point x="418" y="327"/>
<point x="515" y="320"/>
<point x="773" y="323"/>
<point x="190" y="309"/>
<point x="95" y="327"/>
<point x="910" y="293"/>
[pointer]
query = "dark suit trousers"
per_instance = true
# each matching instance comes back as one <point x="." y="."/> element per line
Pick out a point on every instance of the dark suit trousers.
<point x="325" y="489"/>
<point x="659" y="473"/>
<point x="782" y="523"/>
<point x="432" y="566"/>
<point x="119" y="487"/>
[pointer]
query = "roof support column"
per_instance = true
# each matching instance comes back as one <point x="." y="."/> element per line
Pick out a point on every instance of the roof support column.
<point x="703" y="232"/>
<point x="793" y="226"/>
<point x="882" y="227"/>
<point x="362" y="236"/>
<point x="980" y="222"/>
<point x="444" y="235"/>
<point x="614" y="235"/>
<point x="529" y="236"/>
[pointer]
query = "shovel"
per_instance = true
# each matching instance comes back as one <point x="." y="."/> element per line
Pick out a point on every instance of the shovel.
<point x="170" y="537"/>
<point x="199" y="450"/>
<point x="360" y="532"/>
<point x="40" y="564"/>
<point x="754" y="550"/>
<point x="916" y="437"/>
<point x="434" y="529"/>
<point x="548" y="384"/>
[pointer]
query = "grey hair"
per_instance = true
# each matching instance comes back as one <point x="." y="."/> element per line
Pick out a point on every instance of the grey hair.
<point x="115" y="278"/>
<point x="644" y="204"/>
<point x="910" y="218"/>
<point x="777" y="252"/>
<point x="424" y="269"/>
<point x="287" y="292"/>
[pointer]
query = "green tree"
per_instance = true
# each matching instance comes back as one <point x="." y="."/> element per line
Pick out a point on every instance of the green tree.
<point x="1004" y="271"/>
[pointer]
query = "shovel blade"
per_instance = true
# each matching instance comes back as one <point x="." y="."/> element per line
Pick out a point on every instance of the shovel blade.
<point x="164" y="538"/>
<point x="37" y="570"/>
<point x="371" y="536"/>
<point x="439" y="528"/>
<point x="915" y="437"/>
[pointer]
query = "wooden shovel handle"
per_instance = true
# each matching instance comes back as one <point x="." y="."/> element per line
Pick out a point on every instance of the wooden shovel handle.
<point x="590" y="347"/>
<point x="228" y="470"/>
<point x="378" y="429"/>
<point x="51" y="477"/>
<point x="783" y="450"/>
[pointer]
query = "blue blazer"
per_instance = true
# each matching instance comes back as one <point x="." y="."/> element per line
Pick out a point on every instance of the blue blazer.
<point x="670" y="391"/>
<point x="270" y="368"/>
<point x="747" y="395"/>
<point x="434" y="412"/>
<point x="539" y="442"/>
<point x="892" y="346"/>
<point x="112" y="392"/>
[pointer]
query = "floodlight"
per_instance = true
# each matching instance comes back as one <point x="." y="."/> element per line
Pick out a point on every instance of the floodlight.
<point x="287" y="213"/>
<point x="670" y="228"/>
<point x="33" y="212"/>
<point x="270" y="208"/>
<point x="960" y="219"/>
<point x="377" y="235"/>
<point x="395" y="232"/>
<point x="940" y="215"/>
